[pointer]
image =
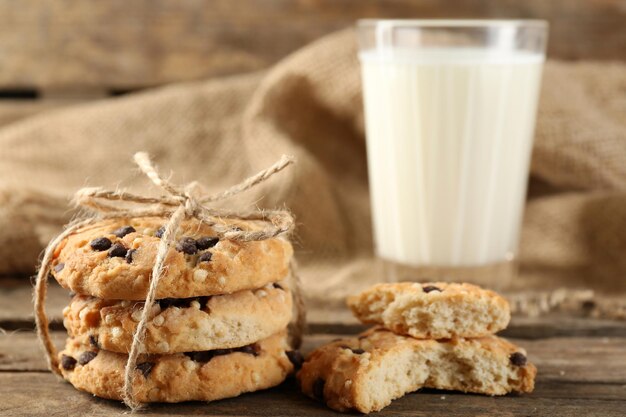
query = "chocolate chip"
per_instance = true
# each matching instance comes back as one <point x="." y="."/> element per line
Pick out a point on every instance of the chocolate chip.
<point x="86" y="357"/>
<point x="118" y="251"/>
<point x="357" y="351"/>
<point x="67" y="362"/>
<point x="59" y="267"/>
<point x="93" y="341"/>
<point x="429" y="288"/>
<point x="296" y="358"/>
<point x="145" y="368"/>
<point x="207" y="242"/>
<point x="123" y="231"/>
<point x="518" y="359"/>
<point x="159" y="232"/>
<point x="100" y="244"/>
<point x="318" y="389"/>
<point x="205" y="257"/>
<point x="278" y="286"/>
<point x="187" y="245"/>
<point x="252" y="349"/>
<point x="129" y="256"/>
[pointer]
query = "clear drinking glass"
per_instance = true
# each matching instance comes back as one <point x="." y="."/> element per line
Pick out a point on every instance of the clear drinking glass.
<point x="450" y="111"/>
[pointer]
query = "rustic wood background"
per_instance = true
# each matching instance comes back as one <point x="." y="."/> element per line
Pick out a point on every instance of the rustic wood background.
<point x="55" y="53"/>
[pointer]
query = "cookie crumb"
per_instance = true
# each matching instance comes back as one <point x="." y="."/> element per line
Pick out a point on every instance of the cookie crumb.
<point x="190" y="365"/>
<point x="199" y="275"/>
<point x="136" y="316"/>
<point x="163" y="346"/>
<point x="255" y="378"/>
<point x="116" y="332"/>
<point x="83" y="313"/>
<point x="158" y="321"/>
<point x="154" y="394"/>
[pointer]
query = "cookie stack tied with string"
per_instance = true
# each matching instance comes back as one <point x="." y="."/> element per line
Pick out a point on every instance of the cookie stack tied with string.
<point x="435" y="335"/>
<point x="213" y="324"/>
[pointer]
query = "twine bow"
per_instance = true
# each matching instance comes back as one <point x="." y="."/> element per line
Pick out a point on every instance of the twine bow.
<point x="178" y="203"/>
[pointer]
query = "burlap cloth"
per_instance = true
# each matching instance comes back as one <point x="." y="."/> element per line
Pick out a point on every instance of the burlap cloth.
<point x="309" y="105"/>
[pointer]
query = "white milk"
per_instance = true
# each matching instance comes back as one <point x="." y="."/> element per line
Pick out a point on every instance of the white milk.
<point x="449" y="137"/>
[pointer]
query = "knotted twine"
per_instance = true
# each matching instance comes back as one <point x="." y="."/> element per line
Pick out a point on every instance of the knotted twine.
<point x="179" y="203"/>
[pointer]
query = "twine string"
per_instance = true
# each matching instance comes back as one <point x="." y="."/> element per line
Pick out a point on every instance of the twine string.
<point x="178" y="203"/>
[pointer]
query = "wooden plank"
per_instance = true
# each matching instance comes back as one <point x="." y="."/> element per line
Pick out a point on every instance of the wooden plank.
<point x="37" y="394"/>
<point x="16" y="307"/>
<point x="573" y="360"/>
<point x="21" y="351"/>
<point x="122" y="44"/>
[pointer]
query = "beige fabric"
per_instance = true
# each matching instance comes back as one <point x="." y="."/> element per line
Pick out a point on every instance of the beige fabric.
<point x="309" y="105"/>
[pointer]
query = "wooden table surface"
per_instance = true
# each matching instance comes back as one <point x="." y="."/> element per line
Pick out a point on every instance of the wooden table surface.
<point x="581" y="362"/>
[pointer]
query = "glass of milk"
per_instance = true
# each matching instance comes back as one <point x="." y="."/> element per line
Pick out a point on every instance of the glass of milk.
<point x="450" y="111"/>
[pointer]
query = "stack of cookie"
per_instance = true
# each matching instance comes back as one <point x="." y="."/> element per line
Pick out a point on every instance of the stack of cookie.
<point x="218" y="328"/>
<point x="437" y="335"/>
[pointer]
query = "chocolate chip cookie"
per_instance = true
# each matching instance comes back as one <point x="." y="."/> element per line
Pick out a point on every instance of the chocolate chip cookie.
<point x="113" y="259"/>
<point x="194" y="376"/>
<point x="433" y="310"/>
<point x="182" y="325"/>
<point x="367" y="372"/>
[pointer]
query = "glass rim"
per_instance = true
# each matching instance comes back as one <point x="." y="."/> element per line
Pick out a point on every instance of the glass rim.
<point x="453" y="23"/>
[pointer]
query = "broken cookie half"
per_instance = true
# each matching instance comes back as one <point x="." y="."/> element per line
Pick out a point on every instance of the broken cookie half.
<point x="365" y="373"/>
